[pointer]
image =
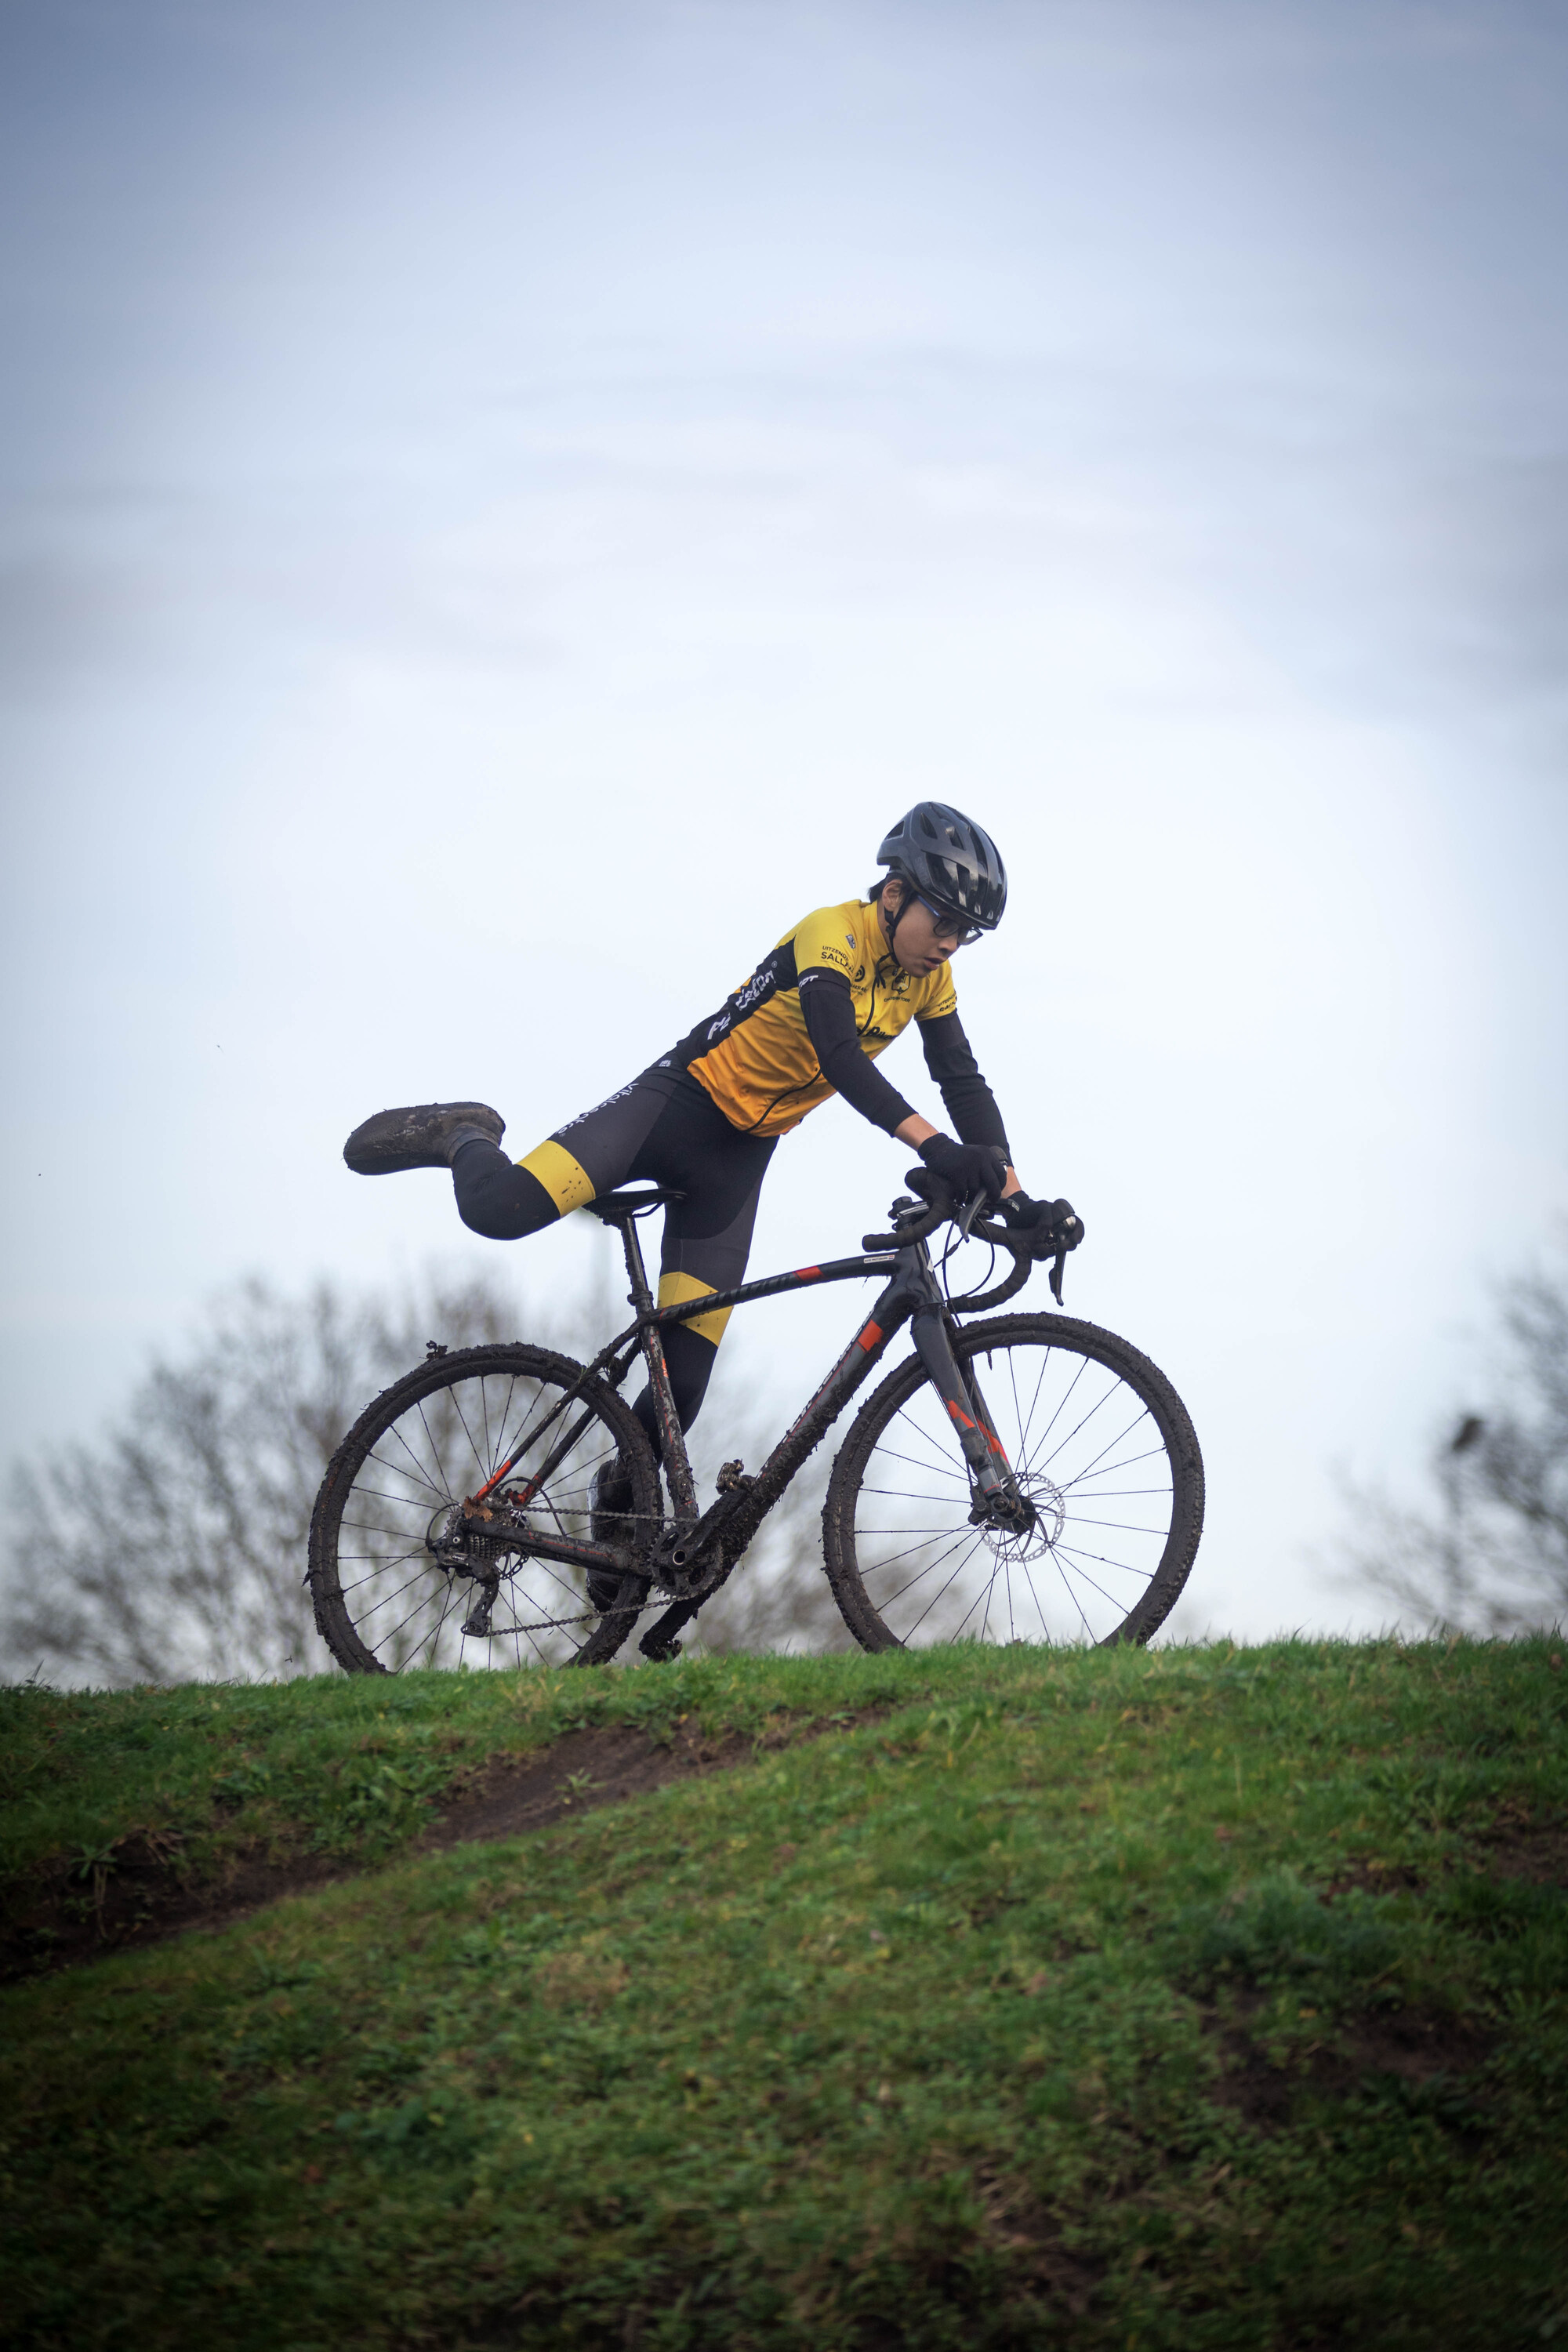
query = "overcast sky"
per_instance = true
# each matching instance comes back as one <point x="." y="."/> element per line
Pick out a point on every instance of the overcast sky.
<point x="503" y="505"/>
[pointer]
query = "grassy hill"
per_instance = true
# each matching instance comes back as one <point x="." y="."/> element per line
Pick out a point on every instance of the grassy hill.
<point x="1192" y="1998"/>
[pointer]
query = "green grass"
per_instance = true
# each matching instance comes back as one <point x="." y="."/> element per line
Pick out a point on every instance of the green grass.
<point x="931" y="2032"/>
<point x="344" y="1764"/>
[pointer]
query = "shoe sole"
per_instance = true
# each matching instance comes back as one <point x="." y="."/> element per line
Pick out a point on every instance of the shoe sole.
<point x="392" y="1141"/>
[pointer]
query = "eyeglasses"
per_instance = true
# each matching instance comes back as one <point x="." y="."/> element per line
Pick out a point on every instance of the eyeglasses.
<point x="949" y="926"/>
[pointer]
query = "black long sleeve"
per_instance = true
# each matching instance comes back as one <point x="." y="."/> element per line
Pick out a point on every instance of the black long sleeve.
<point x="970" y="1105"/>
<point x="829" y="1009"/>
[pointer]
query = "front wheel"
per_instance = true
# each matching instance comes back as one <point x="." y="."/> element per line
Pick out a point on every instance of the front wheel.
<point x="394" y="1589"/>
<point x="1103" y="1453"/>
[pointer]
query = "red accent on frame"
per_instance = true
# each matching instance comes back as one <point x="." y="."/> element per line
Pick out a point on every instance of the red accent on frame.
<point x="524" y="1495"/>
<point x="808" y="1274"/>
<point x="871" y="1337"/>
<point x="963" y="1417"/>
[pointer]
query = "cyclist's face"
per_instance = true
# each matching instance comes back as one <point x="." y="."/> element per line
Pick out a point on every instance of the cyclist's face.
<point x="918" y="946"/>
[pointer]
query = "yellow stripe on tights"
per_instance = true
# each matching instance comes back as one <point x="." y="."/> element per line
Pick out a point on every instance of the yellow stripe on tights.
<point x="566" y="1183"/>
<point x="675" y="1289"/>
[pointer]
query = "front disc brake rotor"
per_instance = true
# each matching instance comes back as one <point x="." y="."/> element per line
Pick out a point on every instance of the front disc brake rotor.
<point x="1048" y="1509"/>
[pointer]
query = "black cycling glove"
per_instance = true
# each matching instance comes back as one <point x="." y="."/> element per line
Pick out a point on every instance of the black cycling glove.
<point x="965" y="1168"/>
<point x="1056" y="1224"/>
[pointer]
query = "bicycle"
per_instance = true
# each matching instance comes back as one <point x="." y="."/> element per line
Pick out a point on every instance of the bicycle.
<point x="1067" y="1509"/>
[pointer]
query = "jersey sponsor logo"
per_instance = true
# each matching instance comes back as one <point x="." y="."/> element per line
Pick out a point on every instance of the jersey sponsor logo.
<point x="717" y="1028"/>
<point x="619" y="1096"/>
<point x="834" y="955"/>
<point x="859" y="972"/>
<point x="761" y="983"/>
<point x="850" y="937"/>
<point x="882" y="1036"/>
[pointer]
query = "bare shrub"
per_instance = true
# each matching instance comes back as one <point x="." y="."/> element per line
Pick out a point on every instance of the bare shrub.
<point x="1491" y="1556"/>
<point x="175" y="1548"/>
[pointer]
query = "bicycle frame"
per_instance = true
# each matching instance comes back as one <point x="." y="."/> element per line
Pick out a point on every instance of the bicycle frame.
<point x="683" y="1559"/>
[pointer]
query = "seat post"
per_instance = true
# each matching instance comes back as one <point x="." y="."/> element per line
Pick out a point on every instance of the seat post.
<point x="642" y="1297"/>
<point x="623" y="1209"/>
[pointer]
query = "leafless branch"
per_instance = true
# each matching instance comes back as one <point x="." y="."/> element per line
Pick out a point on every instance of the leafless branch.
<point x="1489" y="1554"/>
<point x="174" y="1548"/>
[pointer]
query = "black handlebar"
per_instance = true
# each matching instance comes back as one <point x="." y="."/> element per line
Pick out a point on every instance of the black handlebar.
<point x="944" y="1210"/>
<point x="910" y="1229"/>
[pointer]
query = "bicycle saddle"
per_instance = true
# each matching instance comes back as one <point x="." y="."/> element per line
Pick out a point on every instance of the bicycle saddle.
<point x="611" y="1205"/>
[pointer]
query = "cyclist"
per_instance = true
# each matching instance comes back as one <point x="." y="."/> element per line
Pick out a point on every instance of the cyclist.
<point x="704" y="1119"/>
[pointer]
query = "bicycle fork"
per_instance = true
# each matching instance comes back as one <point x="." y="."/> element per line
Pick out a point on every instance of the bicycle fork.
<point x="997" y="1499"/>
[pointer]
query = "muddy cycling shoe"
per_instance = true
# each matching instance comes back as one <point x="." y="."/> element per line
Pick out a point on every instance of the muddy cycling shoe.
<point x="426" y="1135"/>
<point x="610" y="1500"/>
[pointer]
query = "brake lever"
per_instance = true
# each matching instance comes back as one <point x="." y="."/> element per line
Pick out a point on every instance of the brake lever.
<point x="1006" y="1237"/>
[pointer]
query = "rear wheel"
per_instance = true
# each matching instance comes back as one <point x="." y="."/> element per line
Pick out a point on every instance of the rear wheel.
<point x="1102" y="1450"/>
<point x="393" y="1591"/>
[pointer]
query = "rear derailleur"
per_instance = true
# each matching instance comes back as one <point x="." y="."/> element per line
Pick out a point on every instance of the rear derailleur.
<point x="471" y="1539"/>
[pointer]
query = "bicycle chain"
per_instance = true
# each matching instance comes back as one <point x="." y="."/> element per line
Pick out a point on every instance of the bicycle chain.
<point x="592" y="1616"/>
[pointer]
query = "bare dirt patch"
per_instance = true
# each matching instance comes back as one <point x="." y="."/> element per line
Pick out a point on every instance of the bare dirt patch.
<point x="1515" y="1844"/>
<point x="1371" y="1876"/>
<point x="141" y="1890"/>
<point x="1527" y="1848"/>
<point x="1024" y="2229"/>
<point x="1414" y="2047"/>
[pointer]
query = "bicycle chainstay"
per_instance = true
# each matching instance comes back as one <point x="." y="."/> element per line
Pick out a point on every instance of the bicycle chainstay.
<point x="479" y="1525"/>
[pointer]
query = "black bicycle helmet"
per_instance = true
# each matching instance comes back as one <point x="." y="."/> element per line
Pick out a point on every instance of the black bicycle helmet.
<point x="948" y="860"/>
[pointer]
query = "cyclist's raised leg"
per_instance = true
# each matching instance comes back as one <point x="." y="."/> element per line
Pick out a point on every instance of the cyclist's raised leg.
<point x="592" y="1153"/>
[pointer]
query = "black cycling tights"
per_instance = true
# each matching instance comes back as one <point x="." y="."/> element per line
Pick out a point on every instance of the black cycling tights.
<point x="665" y="1130"/>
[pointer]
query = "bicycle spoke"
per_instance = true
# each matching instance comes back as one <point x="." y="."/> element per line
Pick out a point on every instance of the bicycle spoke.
<point x="380" y="1569"/>
<point x="911" y="1582"/>
<point x="1124" y="1526"/>
<point x="1078" y="1428"/>
<point x="1109" y="1469"/>
<point x="424" y="1602"/>
<point x="930" y="1604"/>
<point x="1074" y="1551"/>
<point x="886" y="1453"/>
<point x="942" y="1455"/>
<point x="1025" y="1418"/>
<point x="418" y="1470"/>
<point x="482" y="1459"/>
<point x="1077" y="1603"/>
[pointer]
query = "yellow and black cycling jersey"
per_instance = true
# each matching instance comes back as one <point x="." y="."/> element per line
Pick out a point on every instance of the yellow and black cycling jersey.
<point x="807" y="1022"/>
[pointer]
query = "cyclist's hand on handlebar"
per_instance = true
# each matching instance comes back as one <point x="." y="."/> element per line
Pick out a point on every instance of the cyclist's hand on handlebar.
<point x="1051" y="1225"/>
<point x="965" y="1168"/>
